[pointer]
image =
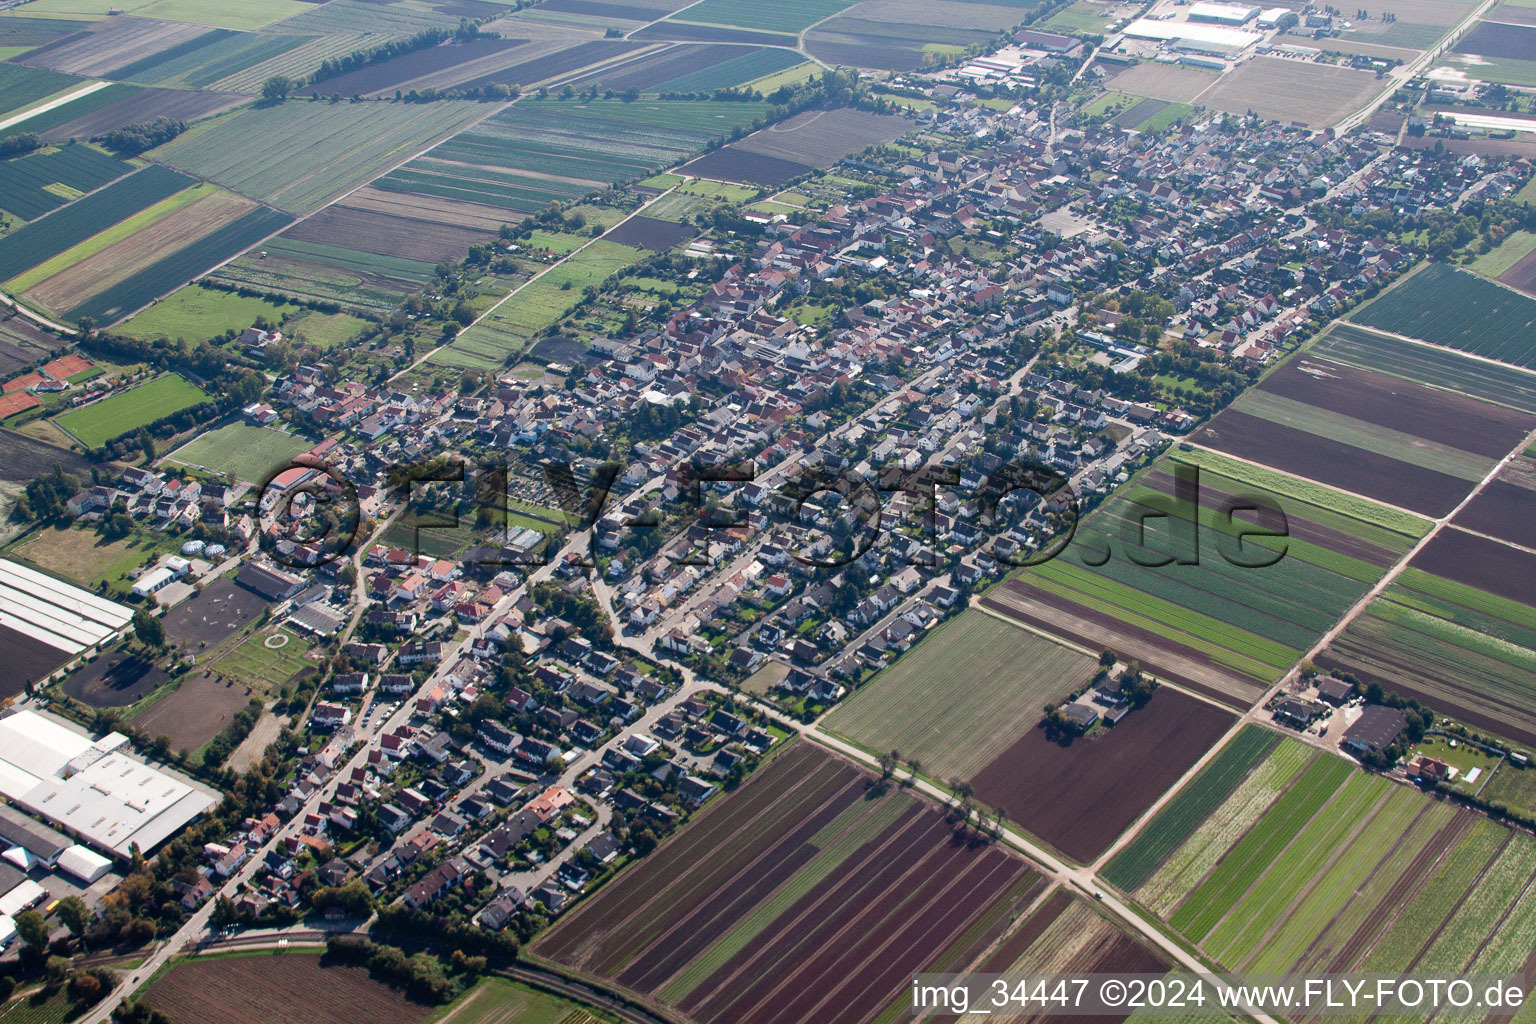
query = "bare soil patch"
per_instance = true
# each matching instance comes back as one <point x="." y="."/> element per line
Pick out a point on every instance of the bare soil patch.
<point x="114" y="680"/>
<point x="1080" y="796"/>
<point x="212" y="616"/>
<point x="197" y="712"/>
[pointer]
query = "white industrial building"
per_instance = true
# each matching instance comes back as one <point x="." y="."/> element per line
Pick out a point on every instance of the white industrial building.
<point x="83" y="864"/>
<point x="1222" y="14"/>
<point x="1191" y="32"/>
<point x="92" y="789"/>
<point x="44" y="609"/>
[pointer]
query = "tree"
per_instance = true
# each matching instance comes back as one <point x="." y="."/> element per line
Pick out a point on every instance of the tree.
<point x="32" y="929"/>
<point x="148" y="629"/>
<point x="276" y="88"/>
<point x="74" y="913"/>
<point x="888" y="763"/>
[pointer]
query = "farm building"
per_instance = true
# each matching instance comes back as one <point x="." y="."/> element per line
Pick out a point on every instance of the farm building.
<point x="44" y="623"/>
<point x="1334" y="691"/>
<point x="92" y="789"/>
<point x="1376" y="728"/>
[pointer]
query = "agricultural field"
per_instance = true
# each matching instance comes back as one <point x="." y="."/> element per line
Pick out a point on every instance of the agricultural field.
<point x="559" y="64"/>
<point x="745" y="934"/>
<point x="537" y="152"/>
<point x="243" y="67"/>
<point x="1184" y="813"/>
<point x="691" y="67"/>
<point x="22" y="87"/>
<point x="1446" y="306"/>
<point x="1224" y="623"/>
<point x="80" y="275"/>
<point x="368" y="231"/>
<point x="22" y="343"/>
<point x="199" y="312"/>
<point x="250" y="453"/>
<point x="1311" y="865"/>
<point x="789" y="16"/>
<point x="198" y="709"/>
<point x="1502" y="508"/>
<point x="1506" y="255"/>
<point x="103" y="209"/>
<point x="1173" y="83"/>
<point x="1314" y="94"/>
<point x="173" y="271"/>
<point x="499" y="1001"/>
<point x="1434" y="367"/>
<point x="440" y="67"/>
<point x="649" y="233"/>
<point x="1079" y="795"/>
<point x="1413" y="447"/>
<point x="958" y="723"/>
<point x="107" y="46"/>
<point x="693" y="32"/>
<point x="109" y="110"/>
<point x="1066" y="934"/>
<point x="1522" y="276"/>
<point x="277" y="989"/>
<point x="311" y="272"/>
<point x="100" y="422"/>
<point x="512" y="324"/>
<point x="782" y="152"/>
<point x="896" y="35"/>
<point x="298" y="156"/>
<point x="1457" y="630"/>
<point x="33" y="185"/>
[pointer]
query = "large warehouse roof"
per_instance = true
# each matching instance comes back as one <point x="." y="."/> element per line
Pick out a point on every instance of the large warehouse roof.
<point x="92" y="790"/>
<point x="1218" y="35"/>
<point x="62" y="616"/>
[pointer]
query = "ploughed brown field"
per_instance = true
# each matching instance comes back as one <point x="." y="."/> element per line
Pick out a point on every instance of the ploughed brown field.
<point x="386" y="235"/>
<point x="1481" y="563"/>
<point x="1440" y="416"/>
<point x="650" y="233"/>
<point x="1522" y="275"/>
<point x="1333" y="463"/>
<point x="1504" y="508"/>
<point x="906" y="893"/>
<point x="1081" y="796"/>
<point x="198" y="711"/>
<point x="291" y="988"/>
<point x="731" y="164"/>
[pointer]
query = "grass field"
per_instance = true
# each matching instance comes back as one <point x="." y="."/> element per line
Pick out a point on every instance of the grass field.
<point x="1446" y="306"/>
<point x="83" y="558"/>
<point x="247" y="15"/>
<point x="499" y="1001"/>
<point x="262" y="667"/>
<point x="957" y="722"/>
<point x="196" y="312"/>
<point x="252" y="454"/>
<point x="1504" y="255"/>
<point x="1078" y="17"/>
<point x="100" y="422"/>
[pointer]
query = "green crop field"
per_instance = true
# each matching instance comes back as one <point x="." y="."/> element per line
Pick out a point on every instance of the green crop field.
<point x="1463" y="651"/>
<point x="1254" y="620"/>
<point x="1309" y="864"/>
<point x="921" y="704"/>
<point x="541" y="151"/>
<point x="784" y="16"/>
<point x="298" y="156"/>
<point x="757" y="64"/>
<point x="21" y="87"/>
<point x="1182" y="815"/>
<point x="100" y="422"/>
<point x="1450" y="307"/>
<point x="65" y="228"/>
<point x="28" y="185"/>
<point x="197" y="312"/>
<point x="513" y="324"/>
<point x="251" y="453"/>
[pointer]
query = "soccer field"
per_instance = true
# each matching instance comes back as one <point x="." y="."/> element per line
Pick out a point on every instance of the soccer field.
<point x="253" y="454"/>
<point x="100" y="422"/>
